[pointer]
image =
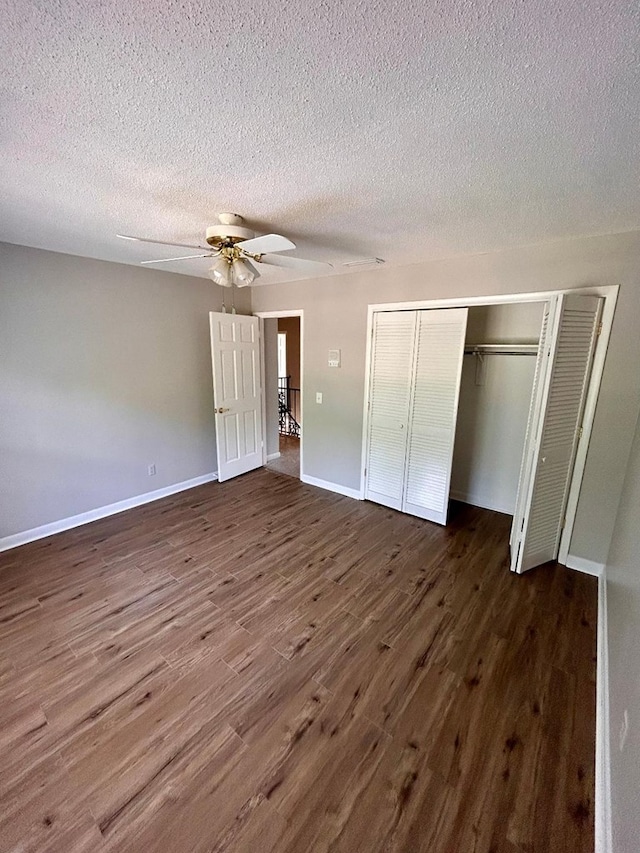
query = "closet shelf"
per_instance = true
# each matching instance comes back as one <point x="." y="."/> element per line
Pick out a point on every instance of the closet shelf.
<point x="501" y="349"/>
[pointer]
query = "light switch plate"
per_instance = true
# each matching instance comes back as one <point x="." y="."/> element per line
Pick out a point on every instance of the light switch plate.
<point x="318" y="396"/>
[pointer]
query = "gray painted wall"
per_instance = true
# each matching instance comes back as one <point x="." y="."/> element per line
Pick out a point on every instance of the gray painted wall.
<point x="505" y="324"/>
<point x="272" y="436"/>
<point x="492" y="422"/>
<point x="623" y="597"/>
<point x="336" y="316"/>
<point x="104" y="369"/>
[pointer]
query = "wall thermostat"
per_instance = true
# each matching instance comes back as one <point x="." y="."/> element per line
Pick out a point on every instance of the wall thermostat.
<point x="334" y="358"/>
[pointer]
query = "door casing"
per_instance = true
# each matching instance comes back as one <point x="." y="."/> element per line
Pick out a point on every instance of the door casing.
<point x="266" y="315"/>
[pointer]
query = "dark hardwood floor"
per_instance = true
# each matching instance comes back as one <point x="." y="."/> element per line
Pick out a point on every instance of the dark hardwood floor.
<point x="264" y="666"/>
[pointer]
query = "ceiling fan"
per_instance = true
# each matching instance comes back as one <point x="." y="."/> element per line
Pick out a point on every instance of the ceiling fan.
<point x="234" y="247"/>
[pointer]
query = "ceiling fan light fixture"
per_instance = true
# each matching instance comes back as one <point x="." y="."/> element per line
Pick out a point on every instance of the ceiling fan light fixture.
<point x="242" y="273"/>
<point x="220" y="273"/>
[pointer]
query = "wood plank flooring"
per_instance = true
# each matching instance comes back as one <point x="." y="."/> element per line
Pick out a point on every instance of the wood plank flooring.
<point x="264" y="666"/>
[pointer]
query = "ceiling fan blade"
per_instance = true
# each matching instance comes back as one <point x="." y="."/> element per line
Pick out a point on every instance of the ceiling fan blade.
<point x="296" y="263"/>
<point x="267" y="243"/>
<point x="181" y="258"/>
<point x="158" y="242"/>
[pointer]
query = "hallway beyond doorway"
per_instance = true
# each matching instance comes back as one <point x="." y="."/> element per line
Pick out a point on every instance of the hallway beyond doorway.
<point x="289" y="460"/>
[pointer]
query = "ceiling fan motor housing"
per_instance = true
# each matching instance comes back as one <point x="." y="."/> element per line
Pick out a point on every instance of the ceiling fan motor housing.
<point x="229" y="231"/>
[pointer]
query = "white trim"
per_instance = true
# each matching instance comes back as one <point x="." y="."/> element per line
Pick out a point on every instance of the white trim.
<point x="274" y="315"/>
<point x="332" y="487"/>
<point x="367" y="397"/>
<point x="63" y="524"/>
<point x="604" y="838"/>
<point x="272" y="456"/>
<point x="263" y="382"/>
<point x="581" y="564"/>
<point x="606" y="290"/>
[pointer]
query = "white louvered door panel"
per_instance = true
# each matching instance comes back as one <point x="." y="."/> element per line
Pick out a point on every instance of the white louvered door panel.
<point x="237" y="393"/>
<point x="439" y="351"/>
<point x="571" y="348"/>
<point x="389" y="397"/>
<point x="535" y="407"/>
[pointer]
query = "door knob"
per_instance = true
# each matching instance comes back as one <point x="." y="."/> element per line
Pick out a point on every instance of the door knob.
<point x="220" y="411"/>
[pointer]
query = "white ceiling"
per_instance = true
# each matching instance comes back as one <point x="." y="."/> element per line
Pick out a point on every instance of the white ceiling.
<point x="407" y="130"/>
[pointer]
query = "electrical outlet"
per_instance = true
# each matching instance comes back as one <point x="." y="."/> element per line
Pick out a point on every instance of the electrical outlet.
<point x="318" y="396"/>
<point x="151" y="470"/>
<point x="624" y="729"/>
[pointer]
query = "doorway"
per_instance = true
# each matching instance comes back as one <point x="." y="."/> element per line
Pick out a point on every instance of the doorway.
<point x="283" y="417"/>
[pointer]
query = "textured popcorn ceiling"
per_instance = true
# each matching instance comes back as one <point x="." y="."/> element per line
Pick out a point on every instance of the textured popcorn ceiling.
<point x="409" y="130"/>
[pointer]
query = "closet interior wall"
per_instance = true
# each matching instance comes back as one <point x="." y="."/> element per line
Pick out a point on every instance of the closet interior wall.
<point x="492" y="415"/>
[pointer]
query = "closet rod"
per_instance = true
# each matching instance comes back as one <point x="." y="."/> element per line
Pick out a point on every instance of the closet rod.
<point x="501" y="349"/>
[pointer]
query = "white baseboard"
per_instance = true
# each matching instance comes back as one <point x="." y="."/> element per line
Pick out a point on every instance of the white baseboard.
<point x="478" y="500"/>
<point x="272" y="456"/>
<point x="589" y="567"/>
<point x="332" y="487"/>
<point x="604" y="838"/>
<point x="101" y="512"/>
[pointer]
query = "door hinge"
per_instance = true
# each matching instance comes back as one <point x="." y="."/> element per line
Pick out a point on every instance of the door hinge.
<point x="580" y="431"/>
<point x="599" y="331"/>
<point x="564" y="521"/>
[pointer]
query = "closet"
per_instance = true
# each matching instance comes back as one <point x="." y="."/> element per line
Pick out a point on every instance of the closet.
<point x="501" y="346"/>
<point x="482" y="404"/>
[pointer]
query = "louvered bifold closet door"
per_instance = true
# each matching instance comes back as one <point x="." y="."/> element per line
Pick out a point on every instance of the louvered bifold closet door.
<point x="542" y="361"/>
<point x="439" y="352"/>
<point x="571" y="348"/>
<point x="389" y="398"/>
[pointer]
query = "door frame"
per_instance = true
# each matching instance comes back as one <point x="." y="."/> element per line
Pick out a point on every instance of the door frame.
<point x="610" y="296"/>
<point x="274" y="315"/>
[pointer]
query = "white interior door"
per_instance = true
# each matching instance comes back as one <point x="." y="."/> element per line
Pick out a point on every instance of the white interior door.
<point x="389" y="397"/>
<point x="562" y="378"/>
<point x="437" y="369"/>
<point x="237" y="393"/>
